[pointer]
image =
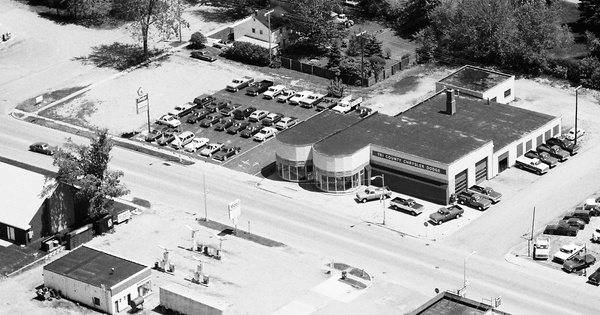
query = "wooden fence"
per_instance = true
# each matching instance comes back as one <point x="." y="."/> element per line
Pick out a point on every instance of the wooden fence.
<point x="296" y="65"/>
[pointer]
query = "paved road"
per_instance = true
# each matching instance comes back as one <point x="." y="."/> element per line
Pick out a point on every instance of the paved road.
<point x="322" y="224"/>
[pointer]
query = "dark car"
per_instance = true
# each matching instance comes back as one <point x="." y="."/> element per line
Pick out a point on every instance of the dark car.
<point x="446" y="214"/>
<point x="210" y="120"/>
<point x="576" y="222"/>
<point x="217" y="106"/>
<point x="204" y="99"/>
<point x="579" y="262"/>
<point x="564" y="144"/>
<point x="242" y="114"/>
<point x="327" y="103"/>
<point x="581" y="214"/>
<point x="227" y="110"/>
<point x="202" y="56"/>
<point x="473" y="200"/>
<point x="364" y="111"/>
<point x="197" y="115"/>
<point x="155" y="133"/>
<point x="544" y="157"/>
<point x="594" y="278"/>
<point x="223" y="124"/>
<point x="238" y="127"/>
<point x="271" y="119"/>
<point x="42" y="147"/>
<point x="166" y="138"/>
<point x="250" y="131"/>
<point x="226" y="152"/>
<point x="561" y="229"/>
<point x="256" y="88"/>
<point x="486" y="192"/>
<point x="554" y="151"/>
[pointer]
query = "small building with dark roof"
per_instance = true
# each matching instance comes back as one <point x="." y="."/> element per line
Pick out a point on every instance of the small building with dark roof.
<point x="481" y="83"/>
<point x="442" y="146"/>
<point x="446" y="303"/>
<point x="100" y="280"/>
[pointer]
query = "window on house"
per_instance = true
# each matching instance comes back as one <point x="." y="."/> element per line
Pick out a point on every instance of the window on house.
<point x="261" y="32"/>
<point x="96" y="301"/>
<point x="253" y="30"/>
<point x="507" y="93"/>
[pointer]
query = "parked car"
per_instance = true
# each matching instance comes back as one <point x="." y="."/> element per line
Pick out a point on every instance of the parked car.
<point x="473" y="200"/>
<point x="594" y="202"/>
<point x="228" y="110"/>
<point x="373" y="193"/>
<point x="581" y="214"/>
<point x="182" y="110"/>
<point x="364" y="111"/>
<point x="42" y="147"/>
<point x="312" y="100"/>
<point x="541" y="248"/>
<point x="533" y="165"/>
<point x="197" y="115"/>
<point x="544" y="157"/>
<point x="237" y="127"/>
<point x="197" y="143"/>
<point x="258" y="115"/>
<point x="166" y="137"/>
<point x="222" y="44"/>
<point x="286" y="122"/>
<point x="169" y="120"/>
<point x="564" y="144"/>
<point x="567" y="251"/>
<point x="594" y="278"/>
<point x="155" y="133"/>
<point x="286" y="95"/>
<point x="203" y="99"/>
<point x="271" y="119"/>
<point x="554" y="151"/>
<point x="256" y="88"/>
<point x="223" y="124"/>
<point x="226" y="152"/>
<point x="264" y="134"/>
<point x="327" y="103"/>
<point x="579" y="262"/>
<point x="596" y="235"/>
<point x="238" y="84"/>
<point x="273" y="91"/>
<point x="446" y="214"/>
<point x="242" y="114"/>
<point x="561" y="229"/>
<point x="576" y="222"/>
<point x="250" y="131"/>
<point x="182" y="139"/>
<point x="295" y="100"/>
<point x="571" y="134"/>
<point x="198" y="54"/>
<point x="407" y="205"/>
<point x="211" y="149"/>
<point x="210" y="120"/>
<point x="215" y="106"/>
<point x="486" y="192"/>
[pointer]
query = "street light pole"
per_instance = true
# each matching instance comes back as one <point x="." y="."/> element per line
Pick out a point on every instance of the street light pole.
<point x="576" y="106"/>
<point x="465" y="270"/>
<point x="205" y="192"/>
<point x="382" y="197"/>
<point x="268" y="15"/>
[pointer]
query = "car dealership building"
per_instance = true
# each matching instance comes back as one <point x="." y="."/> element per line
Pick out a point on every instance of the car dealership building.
<point x="439" y="147"/>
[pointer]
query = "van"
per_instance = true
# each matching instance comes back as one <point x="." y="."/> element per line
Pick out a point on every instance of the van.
<point x="184" y="138"/>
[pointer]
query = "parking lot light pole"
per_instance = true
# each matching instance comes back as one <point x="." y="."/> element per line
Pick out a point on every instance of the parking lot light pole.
<point x="268" y="15"/>
<point x="576" y="106"/>
<point x="465" y="270"/>
<point x="382" y="197"/>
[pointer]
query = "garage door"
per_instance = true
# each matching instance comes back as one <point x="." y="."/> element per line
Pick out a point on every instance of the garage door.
<point x="460" y="181"/>
<point x="481" y="171"/>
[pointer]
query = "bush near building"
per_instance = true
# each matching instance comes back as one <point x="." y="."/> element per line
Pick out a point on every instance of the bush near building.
<point x="248" y="53"/>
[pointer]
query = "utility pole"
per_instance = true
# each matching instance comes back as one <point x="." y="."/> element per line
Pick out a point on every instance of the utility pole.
<point x="205" y="193"/>
<point x="576" y="106"/>
<point x="362" y="56"/>
<point x="531" y="238"/>
<point x="268" y="15"/>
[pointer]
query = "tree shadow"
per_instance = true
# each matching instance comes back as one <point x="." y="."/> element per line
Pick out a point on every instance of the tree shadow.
<point x="118" y="56"/>
<point x="222" y="14"/>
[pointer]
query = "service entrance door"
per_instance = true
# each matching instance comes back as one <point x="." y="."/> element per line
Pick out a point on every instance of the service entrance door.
<point x="502" y="162"/>
<point x="460" y="182"/>
<point x="481" y="171"/>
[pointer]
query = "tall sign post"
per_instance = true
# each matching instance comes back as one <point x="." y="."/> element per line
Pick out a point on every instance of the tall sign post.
<point x="235" y="209"/>
<point x="142" y="101"/>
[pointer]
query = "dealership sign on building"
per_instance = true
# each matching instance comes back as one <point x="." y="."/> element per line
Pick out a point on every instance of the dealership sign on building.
<point x="408" y="162"/>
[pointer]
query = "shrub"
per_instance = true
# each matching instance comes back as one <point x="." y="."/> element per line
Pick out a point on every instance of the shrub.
<point x="275" y="62"/>
<point x="248" y="53"/>
<point x="198" y="40"/>
<point x="388" y="53"/>
<point x="336" y="88"/>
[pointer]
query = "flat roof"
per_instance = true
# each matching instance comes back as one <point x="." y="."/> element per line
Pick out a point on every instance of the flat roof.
<point x="498" y="122"/>
<point x="93" y="266"/>
<point x="412" y="136"/>
<point x="21" y="194"/>
<point x="475" y="79"/>
<point x="317" y="128"/>
<point x="447" y="303"/>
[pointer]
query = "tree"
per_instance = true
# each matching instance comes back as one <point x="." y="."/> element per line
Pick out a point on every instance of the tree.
<point x="148" y="16"/>
<point x="86" y="167"/>
<point x="377" y="64"/>
<point x="312" y="23"/>
<point x="336" y="88"/>
<point x="590" y="14"/>
<point x="335" y="57"/>
<point x="413" y="15"/>
<point x="373" y="46"/>
<point x="198" y="40"/>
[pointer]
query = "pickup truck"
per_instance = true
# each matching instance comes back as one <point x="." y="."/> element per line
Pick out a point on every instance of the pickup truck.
<point x="486" y="192"/>
<point x="564" y="144"/>
<point x="473" y="200"/>
<point x="373" y="193"/>
<point x="273" y="91"/>
<point x="408" y="205"/>
<point x="561" y="229"/>
<point x="312" y="100"/>
<point x="544" y="157"/>
<point x="567" y="252"/>
<point x="182" y="110"/>
<point x="554" y="151"/>
<point x="215" y="106"/>
<point x="579" y="262"/>
<point x="533" y="165"/>
<point x="541" y="248"/>
<point x="348" y="104"/>
<point x="238" y="84"/>
<point x="259" y="87"/>
<point x="446" y="214"/>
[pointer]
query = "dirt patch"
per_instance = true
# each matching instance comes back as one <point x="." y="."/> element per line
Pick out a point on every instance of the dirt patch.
<point x="30" y="105"/>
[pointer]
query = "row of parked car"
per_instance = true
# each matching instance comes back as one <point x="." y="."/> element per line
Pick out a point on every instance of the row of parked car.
<point x="574" y="221"/>
<point x="547" y="155"/>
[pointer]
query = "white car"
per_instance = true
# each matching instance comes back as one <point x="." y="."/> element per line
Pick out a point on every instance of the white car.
<point x="311" y="100"/>
<point x="182" y="110"/>
<point x="211" y="149"/>
<point x="286" y="122"/>
<point x="169" y="120"/>
<point x="286" y="95"/>
<point x="596" y="235"/>
<point x="295" y="100"/>
<point x="568" y="251"/>
<point x="265" y="133"/>
<point x="592" y="202"/>
<point x="571" y="134"/>
<point x="196" y="144"/>
<point x="273" y="91"/>
<point x="258" y="115"/>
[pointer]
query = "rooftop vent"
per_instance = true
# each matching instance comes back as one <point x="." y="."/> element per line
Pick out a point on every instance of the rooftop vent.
<point x="450" y="102"/>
